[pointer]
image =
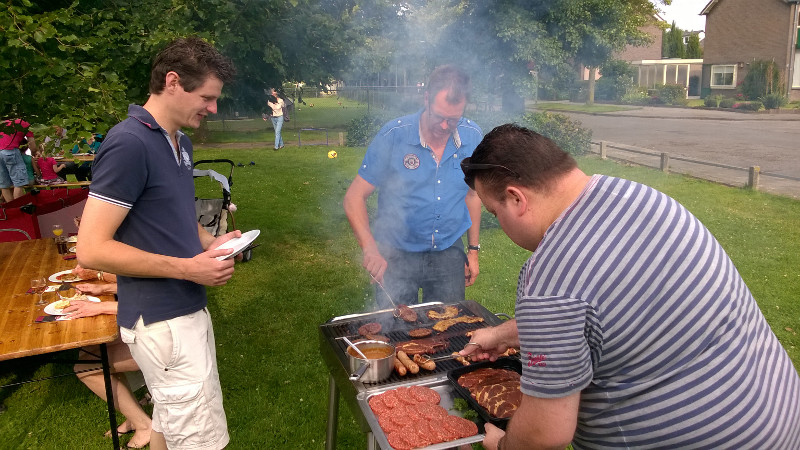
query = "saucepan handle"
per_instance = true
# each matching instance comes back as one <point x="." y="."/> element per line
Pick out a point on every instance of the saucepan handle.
<point x="360" y="372"/>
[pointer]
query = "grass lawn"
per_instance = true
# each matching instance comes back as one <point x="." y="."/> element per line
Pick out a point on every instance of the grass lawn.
<point x="307" y="270"/>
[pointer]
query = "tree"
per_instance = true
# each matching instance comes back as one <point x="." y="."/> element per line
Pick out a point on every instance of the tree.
<point x="693" y="50"/>
<point x="675" y="46"/>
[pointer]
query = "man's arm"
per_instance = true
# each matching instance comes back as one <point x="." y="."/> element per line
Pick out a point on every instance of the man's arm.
<point x="99" y="250"/>
<point x="355" y="207"/>
<point x="473" y="236"/>
<point x="539" y="423"/>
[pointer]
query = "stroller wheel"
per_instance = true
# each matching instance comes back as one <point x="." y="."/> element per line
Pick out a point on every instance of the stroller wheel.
<point x="247" y="255"/>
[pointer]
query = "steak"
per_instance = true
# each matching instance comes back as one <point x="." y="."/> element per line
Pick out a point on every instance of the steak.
<point x="442" y="325"/>
<point x="420" y="332"/>
<point x="405" y="313"/>
<point x="448" y="312"/>
<point x="420" y="346"/>
<point x="496" y="390"/>
<point x="369" y="328"/>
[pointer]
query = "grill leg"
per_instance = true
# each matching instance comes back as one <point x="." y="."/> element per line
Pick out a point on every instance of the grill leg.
<point x="372" y="444"/>
<point x="333" y="414"/>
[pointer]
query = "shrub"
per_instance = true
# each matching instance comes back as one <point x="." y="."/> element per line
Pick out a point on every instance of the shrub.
<point x="773" y="100"/>
<point x="763" y="77"/>
<point x="671" y="94"/>
<point x="569" y="134"/>
<point x="726" y="102"/>
<point x="748" y="106"/>
<point x="616" y="80"/>
<point x="361" y="130"/>
<point x="712" y="101"/>
<point x="635" y="96"/>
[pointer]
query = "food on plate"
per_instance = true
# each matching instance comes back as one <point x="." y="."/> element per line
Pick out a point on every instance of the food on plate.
<point x="448" y="312"/>
<point x="68" y="277"/>
<point x="420" y="332"/>
<point x="399" y="367"/>
<point x="60" y="304"/>
<point x="463" y="360"/>
<point x="425" y="362"/>
<point x="405" y="313"/>
<point x="369" y="328"/>
<point x="496" y="390"/>
<point x="411" y="417"/>
<point x="442" y="325"/>
<point x="410" y="365"/>
<point x="429" y="345"/>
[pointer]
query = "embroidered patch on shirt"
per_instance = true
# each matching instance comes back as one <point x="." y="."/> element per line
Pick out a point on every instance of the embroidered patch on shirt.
<point x="411" y="161"/>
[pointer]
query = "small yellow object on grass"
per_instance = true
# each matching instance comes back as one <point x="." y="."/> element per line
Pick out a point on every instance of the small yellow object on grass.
<point x="332" y="154"/>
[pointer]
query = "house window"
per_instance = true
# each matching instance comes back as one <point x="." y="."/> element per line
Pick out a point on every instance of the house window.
<point x="723" y="76"/>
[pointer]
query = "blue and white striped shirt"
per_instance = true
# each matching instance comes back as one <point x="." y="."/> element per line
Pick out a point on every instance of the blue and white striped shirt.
<point x="630" y="300"/>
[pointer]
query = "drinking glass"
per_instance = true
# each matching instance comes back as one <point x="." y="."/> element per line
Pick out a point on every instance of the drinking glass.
<point x="58" y="230"/>
<point x="39" y="285"/>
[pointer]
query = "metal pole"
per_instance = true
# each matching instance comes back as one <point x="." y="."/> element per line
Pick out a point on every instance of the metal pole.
<point x="333" y="414"/>
<point x="112" y="414"/>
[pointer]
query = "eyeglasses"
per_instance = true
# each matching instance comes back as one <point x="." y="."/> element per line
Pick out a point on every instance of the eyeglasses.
<point x="437" y="119"/>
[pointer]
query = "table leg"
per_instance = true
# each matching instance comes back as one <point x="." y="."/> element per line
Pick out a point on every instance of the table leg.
<point x="333" y="414"/>
<point x="112" y="414"/>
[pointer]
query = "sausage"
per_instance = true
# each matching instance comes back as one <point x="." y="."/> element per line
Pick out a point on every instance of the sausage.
<point x="399" y="367"/>
<point x="410" y="365"/>
<point x="425" y="362"/>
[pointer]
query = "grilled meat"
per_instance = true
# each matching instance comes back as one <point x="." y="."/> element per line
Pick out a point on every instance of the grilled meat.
<point x="405" y="313"/>
<point x="442" y="325"/>
<point x="369" y="328"/>
<point x="420" y="332"/>
<point x="448" y="312"/>
<point x="497" y="390"/>
<point x="417" y="346"/>
<point x="377" y="337"/>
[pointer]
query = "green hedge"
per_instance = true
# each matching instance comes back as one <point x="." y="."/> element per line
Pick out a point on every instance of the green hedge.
<point x="569" y="134"/>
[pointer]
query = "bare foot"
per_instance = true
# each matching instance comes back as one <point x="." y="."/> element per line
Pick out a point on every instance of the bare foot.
<point x="123" y="428"/>
<point x="140" y="439"/>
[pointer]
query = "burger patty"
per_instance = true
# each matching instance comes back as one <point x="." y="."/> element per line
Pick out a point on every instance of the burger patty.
<point x="420" y="332"/>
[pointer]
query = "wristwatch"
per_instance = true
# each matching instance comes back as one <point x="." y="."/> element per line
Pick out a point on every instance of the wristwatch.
<point x="477" y="248"/>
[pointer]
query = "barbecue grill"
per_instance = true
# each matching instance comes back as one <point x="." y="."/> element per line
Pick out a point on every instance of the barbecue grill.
<point x="356" y="394"/>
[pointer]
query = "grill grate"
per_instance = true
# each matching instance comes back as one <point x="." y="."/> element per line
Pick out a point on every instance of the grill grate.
<point x="397" y="331"/>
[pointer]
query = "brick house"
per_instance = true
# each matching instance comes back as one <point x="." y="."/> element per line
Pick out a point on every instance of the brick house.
<point x="739" y="32"/>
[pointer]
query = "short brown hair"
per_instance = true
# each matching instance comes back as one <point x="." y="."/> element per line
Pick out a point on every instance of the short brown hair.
<point x="451" y="79"/>
<point x="512" y="154"/>
<point x="193" y="59"/>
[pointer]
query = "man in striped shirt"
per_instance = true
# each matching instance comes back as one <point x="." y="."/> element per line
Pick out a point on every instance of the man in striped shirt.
<point x="636" y="329"/>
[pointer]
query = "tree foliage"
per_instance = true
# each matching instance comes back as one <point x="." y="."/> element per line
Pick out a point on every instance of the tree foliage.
<point x="674" y="43"/>
<point x="693" y="49"/>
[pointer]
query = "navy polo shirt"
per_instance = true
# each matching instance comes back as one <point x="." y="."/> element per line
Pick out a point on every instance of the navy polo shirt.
<point x="421" y="203"/>
<point x="137" y="169"/>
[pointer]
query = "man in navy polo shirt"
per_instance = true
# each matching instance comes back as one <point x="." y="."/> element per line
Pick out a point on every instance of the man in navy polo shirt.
<point x="139" y="222"/>
<point x="424" y="206"/>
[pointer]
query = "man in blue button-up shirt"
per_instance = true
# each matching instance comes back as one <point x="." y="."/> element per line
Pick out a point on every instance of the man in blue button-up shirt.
<point x="424" y="206"/>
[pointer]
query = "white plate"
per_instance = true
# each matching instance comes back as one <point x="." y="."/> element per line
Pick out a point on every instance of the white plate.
<point x="50" y="309"/>
<point x="239" y="244"/>
<point x="54" y="278"/>
<point x="73" y="249"/>
<point x="72" y="239"/>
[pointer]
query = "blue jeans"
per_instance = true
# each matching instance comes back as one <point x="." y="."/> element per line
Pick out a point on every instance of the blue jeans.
<point x="440" y="275"/>
<point x="13" y="171"/>
<point x="277" y="123"/>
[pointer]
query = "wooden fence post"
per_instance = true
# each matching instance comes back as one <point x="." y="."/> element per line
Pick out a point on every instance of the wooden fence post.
<point x="753" y="177"/>
<point x="603" y="150"/>
<point x="665" y="162"/>
<point x="341" y="139"/>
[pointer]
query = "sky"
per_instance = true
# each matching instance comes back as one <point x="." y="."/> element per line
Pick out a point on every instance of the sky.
<point x="685" y="13"/>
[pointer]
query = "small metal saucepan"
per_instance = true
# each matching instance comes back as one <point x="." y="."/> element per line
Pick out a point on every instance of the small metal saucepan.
<point x="378" y="364"/>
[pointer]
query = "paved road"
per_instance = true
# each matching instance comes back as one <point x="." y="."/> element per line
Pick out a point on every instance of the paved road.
<point x="770" y="141"/>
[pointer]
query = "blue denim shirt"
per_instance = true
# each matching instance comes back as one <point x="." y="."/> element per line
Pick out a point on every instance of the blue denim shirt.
<point x="421" y="204"/>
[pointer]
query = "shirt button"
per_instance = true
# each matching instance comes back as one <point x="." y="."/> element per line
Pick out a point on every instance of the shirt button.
<point x="439" y="181"/>
<point x="435" y="246"/>
<point x="438" y="198"/>
<point x="364" y="166"/>
<point x="436" y="231"/>
<point x="455" y="155"/>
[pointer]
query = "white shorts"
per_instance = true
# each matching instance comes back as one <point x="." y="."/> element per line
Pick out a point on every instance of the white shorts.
<point x="179" y="363"/>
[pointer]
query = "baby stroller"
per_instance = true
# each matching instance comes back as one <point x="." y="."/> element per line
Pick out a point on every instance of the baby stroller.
<point x="213" y="213"/>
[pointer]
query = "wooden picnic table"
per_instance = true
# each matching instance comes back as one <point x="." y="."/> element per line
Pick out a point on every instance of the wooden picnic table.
<point x="66" y="184"/>
<point x="21" y="336"/>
